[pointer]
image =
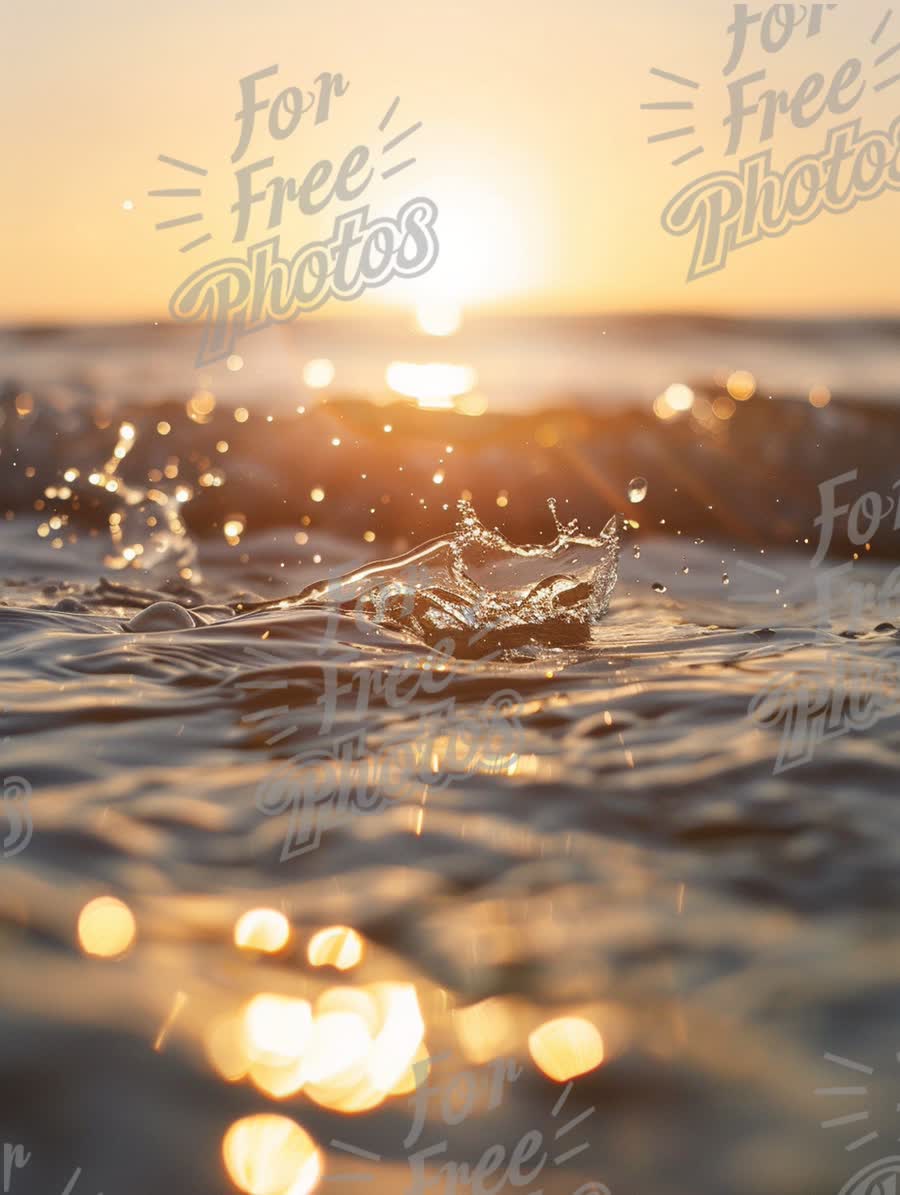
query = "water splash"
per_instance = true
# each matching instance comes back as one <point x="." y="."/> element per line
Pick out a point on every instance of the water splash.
<point x="474" y="590"/>
<point x="145" y="523"/>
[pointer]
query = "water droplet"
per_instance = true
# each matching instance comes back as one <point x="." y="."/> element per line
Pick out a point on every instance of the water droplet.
<point x="637" y="489"/>
<point x="698" y="541"/>
<point x="685" y="570"/>
<point x="658" y="587"/>
<point x="725" y="579"/>
<point x="636" y="551"/>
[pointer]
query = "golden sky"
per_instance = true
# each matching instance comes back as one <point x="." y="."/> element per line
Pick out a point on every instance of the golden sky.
<point x="533" y="145"/>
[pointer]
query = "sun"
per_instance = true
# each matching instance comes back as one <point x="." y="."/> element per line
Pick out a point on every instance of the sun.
<point x="490" y="240"/>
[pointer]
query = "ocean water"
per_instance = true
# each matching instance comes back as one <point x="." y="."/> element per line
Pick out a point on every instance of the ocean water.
<point x="596" y="807"/>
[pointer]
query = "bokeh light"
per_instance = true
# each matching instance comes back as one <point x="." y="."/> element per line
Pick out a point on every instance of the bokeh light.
<point x="106" y="927"/>
<point x="679" y="397"/>
<point x="223" y="1040"/>
<point x="318" y="373"/>
<point x="337" y="946"/>
<point x="266" y="930"/>
<point x="276" y="1028"/>
<point x="271" y="1155"/>
<point x="566" y="1047"/>
<point x="741" y="385"/>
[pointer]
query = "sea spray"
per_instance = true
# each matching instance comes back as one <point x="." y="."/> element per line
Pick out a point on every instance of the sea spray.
<point x="474" y="590"/>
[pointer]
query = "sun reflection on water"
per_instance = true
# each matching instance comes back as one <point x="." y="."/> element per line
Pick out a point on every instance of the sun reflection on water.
<point x="434" y="384"/>
<point x="348" y="1047"/>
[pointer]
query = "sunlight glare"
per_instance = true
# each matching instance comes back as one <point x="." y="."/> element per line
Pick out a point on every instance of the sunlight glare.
<point x="438" y="317"/>
<point x="318" y="373"/>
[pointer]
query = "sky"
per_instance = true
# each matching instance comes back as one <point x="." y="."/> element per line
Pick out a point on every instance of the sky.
<point x="533" y="146"/>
